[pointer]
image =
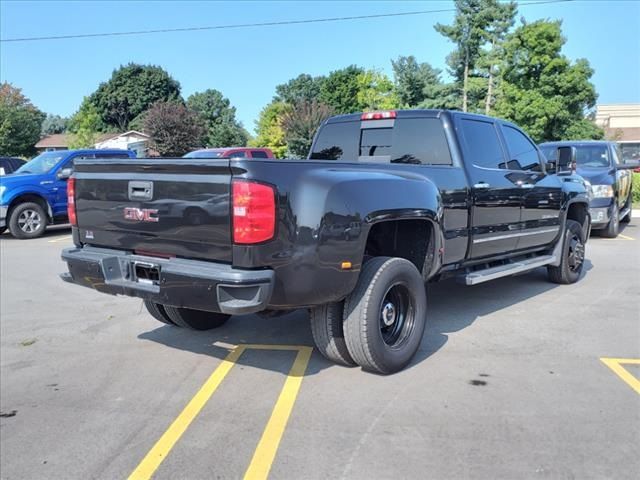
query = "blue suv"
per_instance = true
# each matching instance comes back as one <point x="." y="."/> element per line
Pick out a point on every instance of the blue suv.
<point x="35" y="195"/>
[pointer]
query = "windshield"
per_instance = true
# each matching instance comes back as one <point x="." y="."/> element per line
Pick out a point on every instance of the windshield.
<point x="587" y="156"/>
<point x="42" y="163"/>
<point x="204" y="154"/>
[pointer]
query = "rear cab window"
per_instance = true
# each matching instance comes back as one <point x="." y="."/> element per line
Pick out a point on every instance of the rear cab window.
<point x="258" y="154"/>
<point x="112" y="155"/>
<point x="418" y="141"/>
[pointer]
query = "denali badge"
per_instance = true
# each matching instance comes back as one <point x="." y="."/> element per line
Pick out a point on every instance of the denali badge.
<point x="141" y="214"/>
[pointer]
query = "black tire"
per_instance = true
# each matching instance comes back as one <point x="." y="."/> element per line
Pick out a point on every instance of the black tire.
<point x="2" y="230"/>
<point x="613" y="227"/>
<point x="195" y="319"/>
<point x="328" y="333"/>
<point x="385" y="315"/>
<point x="572" y="262"/>
<point x="27" y="220"/>
<point x="158" y="312"/>
<point x="629" y="205"/>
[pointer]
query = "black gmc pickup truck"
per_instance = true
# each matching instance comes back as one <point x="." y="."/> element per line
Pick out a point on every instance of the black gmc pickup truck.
<point x="385" y="202"/>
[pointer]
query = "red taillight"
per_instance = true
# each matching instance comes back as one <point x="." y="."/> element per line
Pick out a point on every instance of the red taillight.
<point x="71" y="202"/>
<point x="378" y="115"/>
<point x="254" y="212"/>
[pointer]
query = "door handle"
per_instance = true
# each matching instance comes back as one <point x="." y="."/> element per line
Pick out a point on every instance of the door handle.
<point x="527" y="185"/>
<point x="481" y="185"/>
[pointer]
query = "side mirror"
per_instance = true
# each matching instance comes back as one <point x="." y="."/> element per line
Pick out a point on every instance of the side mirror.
<point x="566" y="159"/>
<point x="64" y="173"/>
<point x="550" y="166"/>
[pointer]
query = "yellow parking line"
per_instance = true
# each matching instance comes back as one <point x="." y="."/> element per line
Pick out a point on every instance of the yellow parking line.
<point x="615" y="364"/>
<point x="68" y="237"/>
<point x="267" y="447"/>
<point x="161" y="449"/>
<point x="625" y="237"/>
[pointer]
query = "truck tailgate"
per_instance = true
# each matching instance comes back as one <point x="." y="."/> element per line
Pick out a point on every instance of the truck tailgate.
<point x="174" y="207"/>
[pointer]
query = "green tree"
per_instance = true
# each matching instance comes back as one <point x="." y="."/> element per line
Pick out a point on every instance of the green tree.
<point x="270" y="133"/>
<point x="376" y="91"/>
<point x="467" y="34"/>
<point x="501" y="19"/>
<point x="219" y="117"/>
<point x="476" y="24"/>
<point x="300" y="123"/>
<point x="340" y="90"/>
<point x="174" y="129"/>
<point x="445" y="96"/>
<point x="20" y="122"/>
<point x="542" y="91"/>
<point x="54" y="124"/>
<point x="415" y="82"/>
<point x="303" y="87"/>
<point x="84" y="126"/>
<point x="130" y="91"/>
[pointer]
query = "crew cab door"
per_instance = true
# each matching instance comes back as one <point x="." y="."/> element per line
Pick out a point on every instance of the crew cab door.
<point x="495" y="213"/>
<point x="541" y="193"/>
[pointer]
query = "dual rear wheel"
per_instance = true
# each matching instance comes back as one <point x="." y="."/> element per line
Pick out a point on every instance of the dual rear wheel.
<point x="380" y="324"/>
<point x="185" y="317"/>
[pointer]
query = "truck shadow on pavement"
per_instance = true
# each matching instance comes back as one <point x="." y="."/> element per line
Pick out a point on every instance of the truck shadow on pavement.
<point x="452" y="308"/>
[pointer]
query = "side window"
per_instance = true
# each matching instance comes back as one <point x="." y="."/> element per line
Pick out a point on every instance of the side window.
<point x="70" y="163"/>
<point x="238" y="154"/>
<point x="523" y="154"/>
<point x="259" y="154"/>
<point x="482" y="144"/>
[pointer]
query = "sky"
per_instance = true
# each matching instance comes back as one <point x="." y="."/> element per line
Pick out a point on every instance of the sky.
<point x="247" y="64"/>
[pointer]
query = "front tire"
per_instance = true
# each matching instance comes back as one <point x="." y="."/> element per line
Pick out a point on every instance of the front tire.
<point x="27" y="220"/>
<point x="385" y="315"/>
<point x="195" y="319"/>
<point x="629" y="205"/>
<point x="572" y="262"/>
<point x="328" y="333"/>
<point x="613" y="227"/>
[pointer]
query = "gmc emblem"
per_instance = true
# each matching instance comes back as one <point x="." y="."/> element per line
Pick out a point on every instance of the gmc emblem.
<point x="141" y="214"/>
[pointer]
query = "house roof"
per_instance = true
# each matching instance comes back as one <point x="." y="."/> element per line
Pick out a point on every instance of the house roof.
<point x="61" y="140"/>
<point x="130" y="132"/>
<point x="57" y="140"/>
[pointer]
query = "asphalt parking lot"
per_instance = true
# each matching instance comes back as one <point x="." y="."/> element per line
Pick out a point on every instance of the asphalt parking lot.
<point x="508" y="383"/>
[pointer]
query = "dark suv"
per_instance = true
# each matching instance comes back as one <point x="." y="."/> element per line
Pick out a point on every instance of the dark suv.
<point x="600" y="163"/>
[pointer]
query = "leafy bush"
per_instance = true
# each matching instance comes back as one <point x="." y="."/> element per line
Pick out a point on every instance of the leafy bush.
<point x="636" y="187"/>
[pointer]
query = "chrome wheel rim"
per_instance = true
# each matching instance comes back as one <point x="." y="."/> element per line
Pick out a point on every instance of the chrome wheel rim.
<point x="29" y="221"/>
<point x="576" y="253"/>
